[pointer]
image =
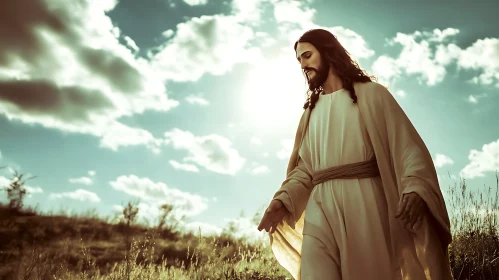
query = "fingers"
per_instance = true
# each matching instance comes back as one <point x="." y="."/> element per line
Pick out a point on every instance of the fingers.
<point x="404" y="210"/>
<point x="271" y="226"/>
<point x="402" y="207"/>
<point x="278" y="219"/>
<point x="414" y="213"/>
<point x="418" y="223"/>
<point x="411" y="220"/>
<point x="264" y="222"/>
<point x="410" y="210"/>
<point x="423" y="212"/>
<point x="417" y="215"/>
<point x="409" y="216"/>
<point x="271" y="220"/>
<point x="274" y="227"/>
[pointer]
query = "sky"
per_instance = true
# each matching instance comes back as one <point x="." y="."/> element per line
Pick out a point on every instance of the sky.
<point x="196" y="102"/>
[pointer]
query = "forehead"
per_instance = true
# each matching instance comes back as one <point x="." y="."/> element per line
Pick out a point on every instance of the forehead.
<point x="303" y="47"/>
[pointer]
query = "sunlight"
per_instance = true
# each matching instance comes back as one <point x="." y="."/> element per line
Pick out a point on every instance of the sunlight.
<point x="274" y="93"/>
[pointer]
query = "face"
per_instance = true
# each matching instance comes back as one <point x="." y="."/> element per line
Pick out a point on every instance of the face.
<point x="315" y="68"/>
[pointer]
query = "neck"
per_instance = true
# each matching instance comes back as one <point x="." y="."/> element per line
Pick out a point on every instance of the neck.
<point x="333" y="83"/>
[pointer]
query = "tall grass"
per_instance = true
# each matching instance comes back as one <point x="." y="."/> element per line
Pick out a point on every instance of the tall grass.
<point x="89" y="248"/>
<point x="474" y="251"/>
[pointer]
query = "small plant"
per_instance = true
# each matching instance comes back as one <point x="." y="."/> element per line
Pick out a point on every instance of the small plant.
<point x="16" y="191"/>
<point x="130" y="215"/>
<point x="168" y="221"/>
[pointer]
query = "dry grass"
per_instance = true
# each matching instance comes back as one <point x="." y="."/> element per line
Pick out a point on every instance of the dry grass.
<point x="86" y="247"/>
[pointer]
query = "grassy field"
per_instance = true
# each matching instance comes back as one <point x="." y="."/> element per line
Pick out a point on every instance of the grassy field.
<point x="48" y="246"/>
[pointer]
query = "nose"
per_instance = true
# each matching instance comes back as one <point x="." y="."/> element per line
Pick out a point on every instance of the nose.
<point x="303" y="64"/>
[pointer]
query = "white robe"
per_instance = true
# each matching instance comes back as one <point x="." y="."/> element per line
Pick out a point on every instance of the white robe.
<point x="349" y="216"/>
<point x="346" y="228"/>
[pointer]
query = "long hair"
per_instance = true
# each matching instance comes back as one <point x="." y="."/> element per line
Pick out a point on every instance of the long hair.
<point x="333" y="53"/>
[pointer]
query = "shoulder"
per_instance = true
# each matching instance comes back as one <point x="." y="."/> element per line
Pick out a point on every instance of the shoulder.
<point x="369" y="87"/>
<point x="371" y="92"/>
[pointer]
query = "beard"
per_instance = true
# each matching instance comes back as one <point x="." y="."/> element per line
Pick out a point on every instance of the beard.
<point x="320" y="76"/>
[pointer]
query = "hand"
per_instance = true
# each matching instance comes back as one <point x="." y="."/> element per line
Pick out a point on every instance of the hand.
<point x="273" y="216"/>
<point x="411" y="211"/>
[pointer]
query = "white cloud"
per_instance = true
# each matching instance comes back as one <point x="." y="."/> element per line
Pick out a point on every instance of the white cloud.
<point x="446" y="54"/>
<point x="83" y="77"/>
<point x="427" y="54"/>
<point x="416" y="58"/>
<point x="197" y="100"/>
<point x="245" y="228"/>
<point x="91" y="173"/>
<point x="105" y="5"/>
<point x="474" y="98"/>
<point x="486" y="160"/>
<point x="262" y="169"/>
<point x="295" y="17"/>
<point x="184" y="166"/>
<point x="156" y="193"/>
<point x="118" y="134"/>
<point x="353" y="42"/>
<point x="31" y="190"/>
<point x="212" y="152"/>
<point x="206" y="229"/>
<point x="149" y="212"/>
<point x="482" y="56"/>
<point x="81" y="180"/>
<point x="287" y="13"/>
<point x="400" y="93"/>
<point x="292" y="11"/>
<point x="131" y="43"/>
<point x="118" y="208"/>
<point x="437" y="35"/>
<point x="4" y="182"/>
<point x="195" y="2"/>
<point x="286" y="149"/>
<point x="207" y="44"/>
<point x="256" y="140"/>
<point x="386" y="68"/>
<point x="168" y="33"/>
<point x="79" y="194"/>
<point x="248" y="11"/>
<point x="442" y="160"/>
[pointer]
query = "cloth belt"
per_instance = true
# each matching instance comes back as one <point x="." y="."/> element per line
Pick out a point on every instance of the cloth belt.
<point x="356" y="170"/>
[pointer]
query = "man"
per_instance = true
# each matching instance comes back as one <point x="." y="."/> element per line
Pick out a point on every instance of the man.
<point x="361" y="199"/>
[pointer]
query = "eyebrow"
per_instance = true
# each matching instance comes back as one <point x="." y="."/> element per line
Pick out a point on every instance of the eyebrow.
<point x="305" y="52"/>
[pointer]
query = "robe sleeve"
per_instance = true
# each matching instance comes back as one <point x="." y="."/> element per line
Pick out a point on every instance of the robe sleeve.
<point x="295" y="191"/>
<point x="410" y="158"/>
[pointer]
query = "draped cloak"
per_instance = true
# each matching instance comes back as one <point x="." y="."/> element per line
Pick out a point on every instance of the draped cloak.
<point x="405" y="166"/>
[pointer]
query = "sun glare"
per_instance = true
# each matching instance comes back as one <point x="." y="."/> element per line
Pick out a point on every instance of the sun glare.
<point x="274" y="94"/>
